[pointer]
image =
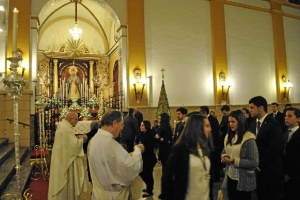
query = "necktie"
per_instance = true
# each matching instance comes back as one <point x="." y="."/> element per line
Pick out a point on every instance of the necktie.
<point x="274" y="115"/>
<point x="258" y="123"/>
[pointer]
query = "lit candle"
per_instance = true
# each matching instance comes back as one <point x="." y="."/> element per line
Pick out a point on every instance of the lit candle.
<point x="15" y="31"/>
<point x="174" y="124"/>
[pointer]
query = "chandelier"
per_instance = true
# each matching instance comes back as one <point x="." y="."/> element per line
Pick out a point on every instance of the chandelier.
<point x="75" y="31"/>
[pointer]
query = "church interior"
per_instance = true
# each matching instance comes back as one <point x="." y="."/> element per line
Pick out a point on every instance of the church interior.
<point x="92" y="56"/>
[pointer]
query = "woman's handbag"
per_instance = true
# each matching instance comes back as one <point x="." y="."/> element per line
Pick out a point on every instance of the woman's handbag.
<point x="223" y="187"/>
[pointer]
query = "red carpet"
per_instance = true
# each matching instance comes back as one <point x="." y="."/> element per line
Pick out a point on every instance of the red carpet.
<point x="39" y="189"/>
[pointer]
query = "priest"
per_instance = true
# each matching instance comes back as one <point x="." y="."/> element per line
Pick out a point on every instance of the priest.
<point x="67" y="174"/>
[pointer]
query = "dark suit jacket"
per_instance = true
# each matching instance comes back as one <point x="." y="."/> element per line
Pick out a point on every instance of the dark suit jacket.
<point x="139" y="117"/>
<point x="214" y="124"/>
<point x="292" y="156"/>
<point x="280" y="119"/>
<point x="214" y="145"/>
<point x="270" y="147"/>
<point x="178" y="130"/>
<point x="130" y="129"/>
<point x="223" y="130"/>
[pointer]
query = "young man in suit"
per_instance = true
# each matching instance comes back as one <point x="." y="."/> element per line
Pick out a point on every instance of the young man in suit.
<point x="224" y="124"/>
<point x="269" y="139"/>
<point x="181" y="113"/>
<point x="277" y="115"/>
<point x="130" y="130"/>
<point x="291" y="159"/>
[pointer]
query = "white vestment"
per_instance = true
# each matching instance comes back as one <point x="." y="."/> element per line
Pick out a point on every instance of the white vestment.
<point x="112" y="168"/>
<point x="67" y="174"/>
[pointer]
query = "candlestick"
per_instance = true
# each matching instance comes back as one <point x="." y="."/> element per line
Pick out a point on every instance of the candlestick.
<point x="15" y="32"/>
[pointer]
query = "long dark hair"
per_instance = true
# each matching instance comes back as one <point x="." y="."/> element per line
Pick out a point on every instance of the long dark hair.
<point x="193" y="134"/>
<point x="164" y="122"/>
<point x="147" y="125"/>
<point x="242" y="123"/>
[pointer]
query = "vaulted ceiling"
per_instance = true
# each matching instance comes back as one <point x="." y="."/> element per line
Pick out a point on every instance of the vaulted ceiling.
<point x="95" y="17"/>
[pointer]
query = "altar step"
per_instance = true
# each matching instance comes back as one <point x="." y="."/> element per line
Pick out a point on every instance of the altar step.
<point x="8" y="180"/>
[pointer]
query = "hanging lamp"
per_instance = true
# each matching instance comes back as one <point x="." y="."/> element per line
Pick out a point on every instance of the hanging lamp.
<point x="75" y="31"/>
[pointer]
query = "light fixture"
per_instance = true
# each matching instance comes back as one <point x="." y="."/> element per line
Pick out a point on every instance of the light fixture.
<point x="138" y="84"/>
<point x="75" y="31"/>
<point x="286" y="87"/>
<point x="225" y="85"/>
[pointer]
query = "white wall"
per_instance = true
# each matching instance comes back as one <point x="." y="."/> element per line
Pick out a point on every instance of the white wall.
<point x="250" y="48"/>
<point x="292" y="44"/>
<point x="178" y="38"/>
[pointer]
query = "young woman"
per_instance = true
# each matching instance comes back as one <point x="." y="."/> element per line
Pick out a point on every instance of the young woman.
<point x="165" y="138"/>
<point x="186" y="173"/>
<point x="149" y="159"/>
<point x="241" y="156"/>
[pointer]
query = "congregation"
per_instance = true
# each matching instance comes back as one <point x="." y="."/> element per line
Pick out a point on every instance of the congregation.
<point x="254" y="152"/>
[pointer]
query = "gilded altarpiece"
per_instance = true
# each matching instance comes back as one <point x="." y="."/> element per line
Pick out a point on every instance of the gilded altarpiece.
<point x="73" y="79"/>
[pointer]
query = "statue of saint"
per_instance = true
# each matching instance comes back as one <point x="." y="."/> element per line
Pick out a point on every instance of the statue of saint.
<point x="74" y="83"/>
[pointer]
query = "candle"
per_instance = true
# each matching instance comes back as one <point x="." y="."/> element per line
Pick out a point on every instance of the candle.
<point x="174" y="124"/>
<point x="66" y="90"/>
<point x="86" y="86"/>
<point x="15" y="31"/>
<point x="40" y="122"/>
<point x="110" y="91"/>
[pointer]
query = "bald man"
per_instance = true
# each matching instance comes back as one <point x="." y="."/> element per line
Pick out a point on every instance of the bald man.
<point x="67" y="175"/>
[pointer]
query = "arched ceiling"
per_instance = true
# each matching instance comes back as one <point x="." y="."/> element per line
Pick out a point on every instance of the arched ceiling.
<point x="95" y="17"/>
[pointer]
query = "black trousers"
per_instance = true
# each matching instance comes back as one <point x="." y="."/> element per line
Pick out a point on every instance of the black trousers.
<point x="234" y="194"/>
<point x="147" y="176"/>
<point x="129" y="144"/>
<point x="291" y="190"/>
<point x="268" y="188"/>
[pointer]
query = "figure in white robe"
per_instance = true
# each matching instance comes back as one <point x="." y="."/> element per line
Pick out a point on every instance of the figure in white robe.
<point x="68" y="178"/>
<point x="112" y="168"/>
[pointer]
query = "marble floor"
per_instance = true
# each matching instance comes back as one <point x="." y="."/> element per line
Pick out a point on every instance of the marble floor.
<point x="138" y="185"/>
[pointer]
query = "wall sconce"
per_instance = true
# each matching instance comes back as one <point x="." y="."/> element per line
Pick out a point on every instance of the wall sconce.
<point x="225" y="85"/>
<point x="286" y="87"/>
<point x="138" y="84"/>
